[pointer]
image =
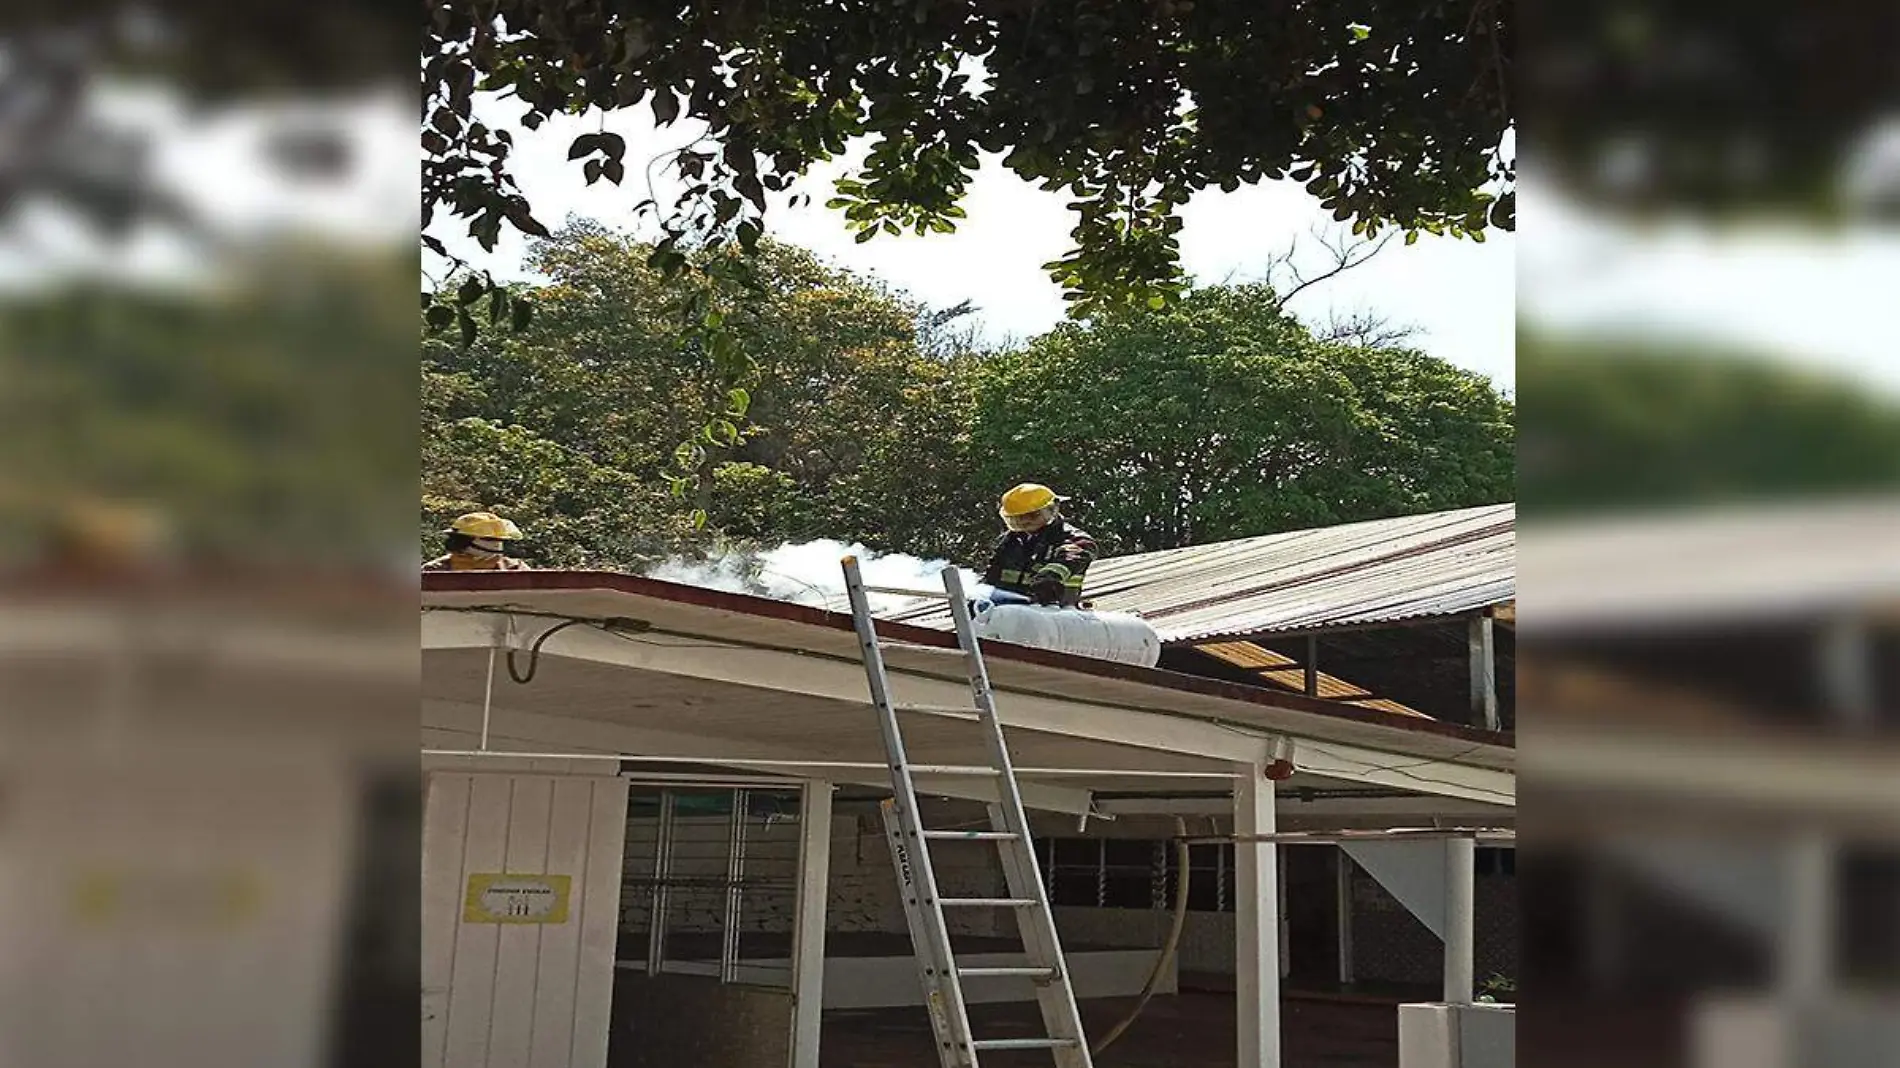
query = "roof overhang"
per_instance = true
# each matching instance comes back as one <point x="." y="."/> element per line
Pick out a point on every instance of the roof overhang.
<point x="678" y="672"/>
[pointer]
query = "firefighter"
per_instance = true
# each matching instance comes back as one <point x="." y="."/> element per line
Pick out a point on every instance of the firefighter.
<point x="478" y="541"/>
<point x="1042" y="555"/>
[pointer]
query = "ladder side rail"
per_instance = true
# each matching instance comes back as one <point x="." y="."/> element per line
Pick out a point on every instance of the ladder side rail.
<point x="942" y="999"/>
<point x="929" y="930"/>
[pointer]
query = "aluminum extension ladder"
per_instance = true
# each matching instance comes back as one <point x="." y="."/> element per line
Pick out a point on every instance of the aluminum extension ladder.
<point x="942" y="977"/>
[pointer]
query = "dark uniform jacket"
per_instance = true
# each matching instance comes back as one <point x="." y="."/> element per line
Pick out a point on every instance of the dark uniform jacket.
<point x="1046" y="565"/>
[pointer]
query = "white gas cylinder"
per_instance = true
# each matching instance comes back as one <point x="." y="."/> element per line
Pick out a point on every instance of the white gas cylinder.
<point x="1116" y="636"/>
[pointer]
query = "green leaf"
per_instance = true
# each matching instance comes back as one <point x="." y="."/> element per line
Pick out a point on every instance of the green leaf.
<point x="666" y="107"/>
<point x="740" y="401"/>
<point x="699" y="519"/>
<point x="439" y="316"/>
<point x="865" y="234"/>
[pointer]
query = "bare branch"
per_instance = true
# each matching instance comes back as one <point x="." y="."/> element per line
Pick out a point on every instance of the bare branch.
<point x="1366" y="329"/>
<point x="1344" y="251"/>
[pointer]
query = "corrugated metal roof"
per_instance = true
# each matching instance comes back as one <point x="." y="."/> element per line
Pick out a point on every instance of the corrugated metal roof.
<point x="1379" y="571"/>
<point x="1719" y="567"/>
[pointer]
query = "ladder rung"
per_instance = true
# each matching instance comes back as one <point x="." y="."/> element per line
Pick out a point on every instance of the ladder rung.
<point x="1023" y="1043"/>
<point x="960" y="711"/>
<point x="1006" y="972"/>
<point x="954" y="769"/>
<point x="987" y="902"/>
<point x="973" y="836"/>
<point x="911" y="647"/>
<point x="899" y="591"/>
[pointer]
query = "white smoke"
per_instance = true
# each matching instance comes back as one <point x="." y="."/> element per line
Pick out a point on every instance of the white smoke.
<point x="811" y="573"/>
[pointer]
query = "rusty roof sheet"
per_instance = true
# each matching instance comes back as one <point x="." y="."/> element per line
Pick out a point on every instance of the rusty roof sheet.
<point x="1356" y="574"/>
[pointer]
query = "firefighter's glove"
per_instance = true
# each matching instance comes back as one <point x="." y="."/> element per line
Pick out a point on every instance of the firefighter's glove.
<point x="1046" y="590"/>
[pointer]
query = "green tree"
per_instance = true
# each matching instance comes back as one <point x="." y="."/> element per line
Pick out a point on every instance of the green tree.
<point x="1391" y="113"/>
<point x="847" y="423"/>
<point x="1632" y="422"/>
<point x="1222" y="417"/>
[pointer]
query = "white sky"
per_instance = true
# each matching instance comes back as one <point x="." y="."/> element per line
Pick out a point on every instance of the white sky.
<point x="1827" y="298"/>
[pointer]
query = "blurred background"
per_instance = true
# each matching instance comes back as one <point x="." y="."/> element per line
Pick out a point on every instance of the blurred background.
<point x="207" y="263"/>
<point x="207" y="460"/>
<point x="1709" y="473"/>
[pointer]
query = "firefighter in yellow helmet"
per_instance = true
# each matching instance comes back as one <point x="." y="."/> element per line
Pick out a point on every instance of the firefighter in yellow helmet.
<point x="478" y="541"/>
<point x="1041" y="555"/>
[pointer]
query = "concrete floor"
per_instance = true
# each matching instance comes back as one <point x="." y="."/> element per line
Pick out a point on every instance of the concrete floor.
<point x="1186" y="1029"/>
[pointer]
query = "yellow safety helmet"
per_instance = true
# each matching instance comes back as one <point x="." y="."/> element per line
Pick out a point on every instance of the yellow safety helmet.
<point x="1027" y="498"/>
<point x="484" y="525"/>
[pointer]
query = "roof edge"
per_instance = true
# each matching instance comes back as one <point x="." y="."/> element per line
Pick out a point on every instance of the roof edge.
<point x="746" y="604"/>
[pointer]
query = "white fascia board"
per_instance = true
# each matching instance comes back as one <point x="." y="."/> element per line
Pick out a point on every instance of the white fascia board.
<point x="823" y="676"/>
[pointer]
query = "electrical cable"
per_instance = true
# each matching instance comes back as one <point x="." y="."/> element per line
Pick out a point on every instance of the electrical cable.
<point x="534" y="652"/>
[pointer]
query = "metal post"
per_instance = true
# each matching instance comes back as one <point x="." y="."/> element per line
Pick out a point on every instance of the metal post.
<point x="1256" y="924"/>
<point x="1312" y="665"/>
<point x="488" y="697"/>
<point x="1461" y="872"/>
<point x="1286" y="925"/>
<point x="808" y="932"/>
<point x="735" y="888"/>
<point x="1846" y="660"/>
<point x="1484" y="686"/>
<point x="1806" y="962"/>
<point x="662" y="872"/>
<point x="1342" y="889"/>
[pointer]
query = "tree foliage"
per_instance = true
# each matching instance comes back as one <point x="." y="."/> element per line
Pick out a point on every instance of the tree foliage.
<point x="1224" y="417"/>
<point x="1627" y="422"/>
<point x="611" y="373"/>
<point x="256" y="422"/>
<point x="1219" y="417"/>
<point x="1391" y="113"/>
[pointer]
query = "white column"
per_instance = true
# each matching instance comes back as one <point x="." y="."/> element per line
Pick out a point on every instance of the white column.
<point x="808" y="936"/>
<point x="1461" y="871"/>
<point x="1257" y="923"/>
<point x="1806" y="952"/>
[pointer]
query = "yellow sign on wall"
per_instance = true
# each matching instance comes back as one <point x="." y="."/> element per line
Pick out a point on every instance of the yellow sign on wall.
<point x="494" y="897"/>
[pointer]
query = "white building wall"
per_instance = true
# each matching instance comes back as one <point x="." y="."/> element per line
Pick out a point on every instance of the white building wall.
<point x="520" y="995"/>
